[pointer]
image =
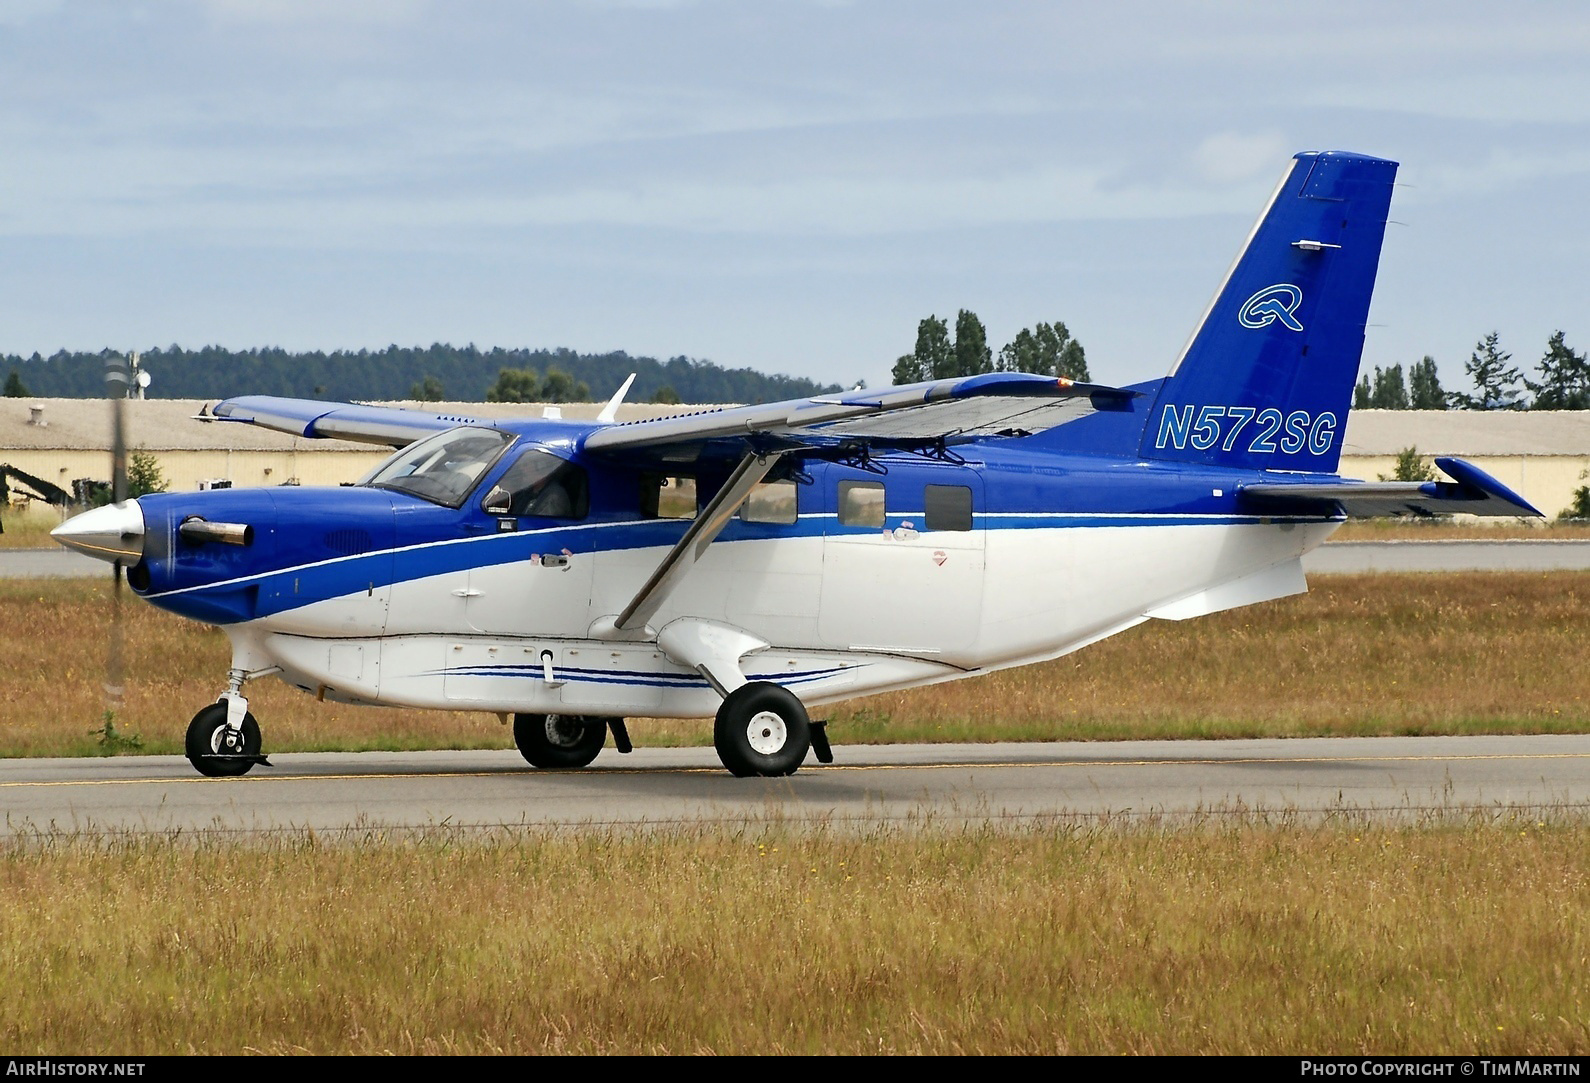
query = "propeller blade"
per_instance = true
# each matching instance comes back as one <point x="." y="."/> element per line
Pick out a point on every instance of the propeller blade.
<point x="117" y="383"/>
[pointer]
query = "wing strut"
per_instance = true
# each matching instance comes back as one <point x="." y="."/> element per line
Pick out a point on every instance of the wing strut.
<point x="689" y="549"/>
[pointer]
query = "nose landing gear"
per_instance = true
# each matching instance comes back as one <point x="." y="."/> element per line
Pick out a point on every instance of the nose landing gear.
<point x="224" y="739"/>
<point x="217" y="750"/>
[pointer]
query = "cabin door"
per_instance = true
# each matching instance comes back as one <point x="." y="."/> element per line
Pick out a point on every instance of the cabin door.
<point x="903" y="562"/>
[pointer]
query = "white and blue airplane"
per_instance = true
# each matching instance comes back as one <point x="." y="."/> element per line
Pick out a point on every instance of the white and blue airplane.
<point x="750" y="563"/>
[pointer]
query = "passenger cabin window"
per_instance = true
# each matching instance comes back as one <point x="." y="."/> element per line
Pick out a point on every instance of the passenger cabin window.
<point x="770" y="502"/>
<point x="861" y="503"/>
<point x="948" y="507"/>
<point x="539" y="485"/>
<point x="667" y="497"/>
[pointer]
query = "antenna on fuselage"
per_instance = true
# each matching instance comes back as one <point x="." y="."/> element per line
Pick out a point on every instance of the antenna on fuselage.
<point x="610" y="411"/>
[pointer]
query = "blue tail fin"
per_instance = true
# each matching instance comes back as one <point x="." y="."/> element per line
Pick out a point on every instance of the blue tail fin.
<point x="1266" y="380"/>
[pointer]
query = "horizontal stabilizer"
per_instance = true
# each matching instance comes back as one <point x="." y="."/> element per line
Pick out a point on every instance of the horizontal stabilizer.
<point x="385" y="425"/>
<point x="1473" y="492"/>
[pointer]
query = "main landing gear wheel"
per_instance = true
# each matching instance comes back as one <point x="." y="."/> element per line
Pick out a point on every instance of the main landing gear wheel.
<point x="216" y="750"/>
<point x="762" y="729"/>
<point x="559" y="740"/>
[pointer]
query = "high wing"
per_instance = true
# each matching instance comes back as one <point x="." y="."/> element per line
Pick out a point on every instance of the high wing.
<point x="1474" y="492"/>
<point x="385" y="425"/>
<point x="937" y="413"/>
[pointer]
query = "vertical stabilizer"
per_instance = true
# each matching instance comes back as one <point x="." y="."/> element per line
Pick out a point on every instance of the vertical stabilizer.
<point x="1266" y="380"/>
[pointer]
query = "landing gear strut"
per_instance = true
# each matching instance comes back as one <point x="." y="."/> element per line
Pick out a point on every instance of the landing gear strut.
<point x="762" y="729"/>
<point x="560" y="740"/>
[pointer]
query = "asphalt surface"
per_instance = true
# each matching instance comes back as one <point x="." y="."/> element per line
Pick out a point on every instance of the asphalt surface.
<point x="49" y="564"/>
<point x="1333" y="558"/>
<point x="903" y="786"/>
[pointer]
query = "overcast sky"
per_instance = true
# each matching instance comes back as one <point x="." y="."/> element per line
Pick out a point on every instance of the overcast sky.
<point x="789" y="186"/>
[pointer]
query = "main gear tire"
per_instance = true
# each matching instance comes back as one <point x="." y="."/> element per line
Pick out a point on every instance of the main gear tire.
<point x="559" y="740"/>
<point x="762" y="729"/>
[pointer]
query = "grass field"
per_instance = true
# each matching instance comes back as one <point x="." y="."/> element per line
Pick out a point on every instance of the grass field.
<point x="1456" y="937"/>
<point x="1357" y="655"/>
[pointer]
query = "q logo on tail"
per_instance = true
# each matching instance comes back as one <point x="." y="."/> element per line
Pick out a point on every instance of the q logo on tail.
<point x="1272" y="304"/>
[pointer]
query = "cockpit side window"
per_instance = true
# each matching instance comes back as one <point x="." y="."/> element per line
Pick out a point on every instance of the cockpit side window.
<point x="442" y="468"/>
<point x="540" y="485"/>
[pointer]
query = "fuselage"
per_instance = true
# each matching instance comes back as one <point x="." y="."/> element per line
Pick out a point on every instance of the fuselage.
<point x="906" y="570"/>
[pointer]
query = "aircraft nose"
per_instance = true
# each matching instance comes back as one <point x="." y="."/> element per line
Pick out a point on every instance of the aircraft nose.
<point x="113" y="532"/>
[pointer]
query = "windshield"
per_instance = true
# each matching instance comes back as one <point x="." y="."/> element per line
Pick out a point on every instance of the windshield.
<point x="441" y="468"/>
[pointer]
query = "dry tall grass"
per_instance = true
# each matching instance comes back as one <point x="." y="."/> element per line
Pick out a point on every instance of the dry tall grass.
<point x="1248" y="938"/>
<point x="28" y="527"/>
<point x="1503" y="529"/>
<point x="1357" y="655"/>
<point x="1360" y="655"/>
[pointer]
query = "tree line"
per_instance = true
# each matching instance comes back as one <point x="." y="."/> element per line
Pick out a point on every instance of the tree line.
<point x="1047" y="349"/>
<point x="1561" y="377"/>
<point x="1563" y="382"/>
<point x="434" y="373"/>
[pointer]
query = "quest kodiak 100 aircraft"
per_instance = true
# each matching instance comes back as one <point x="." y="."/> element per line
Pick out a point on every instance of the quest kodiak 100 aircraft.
<point x="749" y="563"/>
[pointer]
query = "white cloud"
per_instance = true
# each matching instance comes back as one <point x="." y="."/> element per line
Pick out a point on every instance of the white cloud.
<point x="381" y="12"/>
<point x="18" y="12"/>
<point x="1229" y="157"/>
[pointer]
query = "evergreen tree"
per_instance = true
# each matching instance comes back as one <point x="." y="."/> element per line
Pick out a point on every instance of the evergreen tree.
<point x="1410" y="466"/>
<point x="393" y="371"/>
<point x="559" y="386"/>
<point x="1580" y="508"/>
<point x="428" y="390"/>
<point x="1495" y="381"/>
<point x="972" y="355"/>
<point x="1390" y="392"/>
<point x="144" y="475"/>
<point x="14" y="386"/>
<point x="1424" y="386"/>
<point x="1363" y="393"/>
<point x="1564" y="378"/>
<point x="933" y="358"/>
<point x="1069" y="359"/>
<point x="515" y="385"/>
<point x="1020" y="354"/>
<point x="1047" y="350"/>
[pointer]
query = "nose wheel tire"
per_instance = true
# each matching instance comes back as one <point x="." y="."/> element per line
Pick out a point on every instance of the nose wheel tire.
<point x="762" y="729"/>
<point x="559" y="740"/>
<point x="216" y="750"/>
